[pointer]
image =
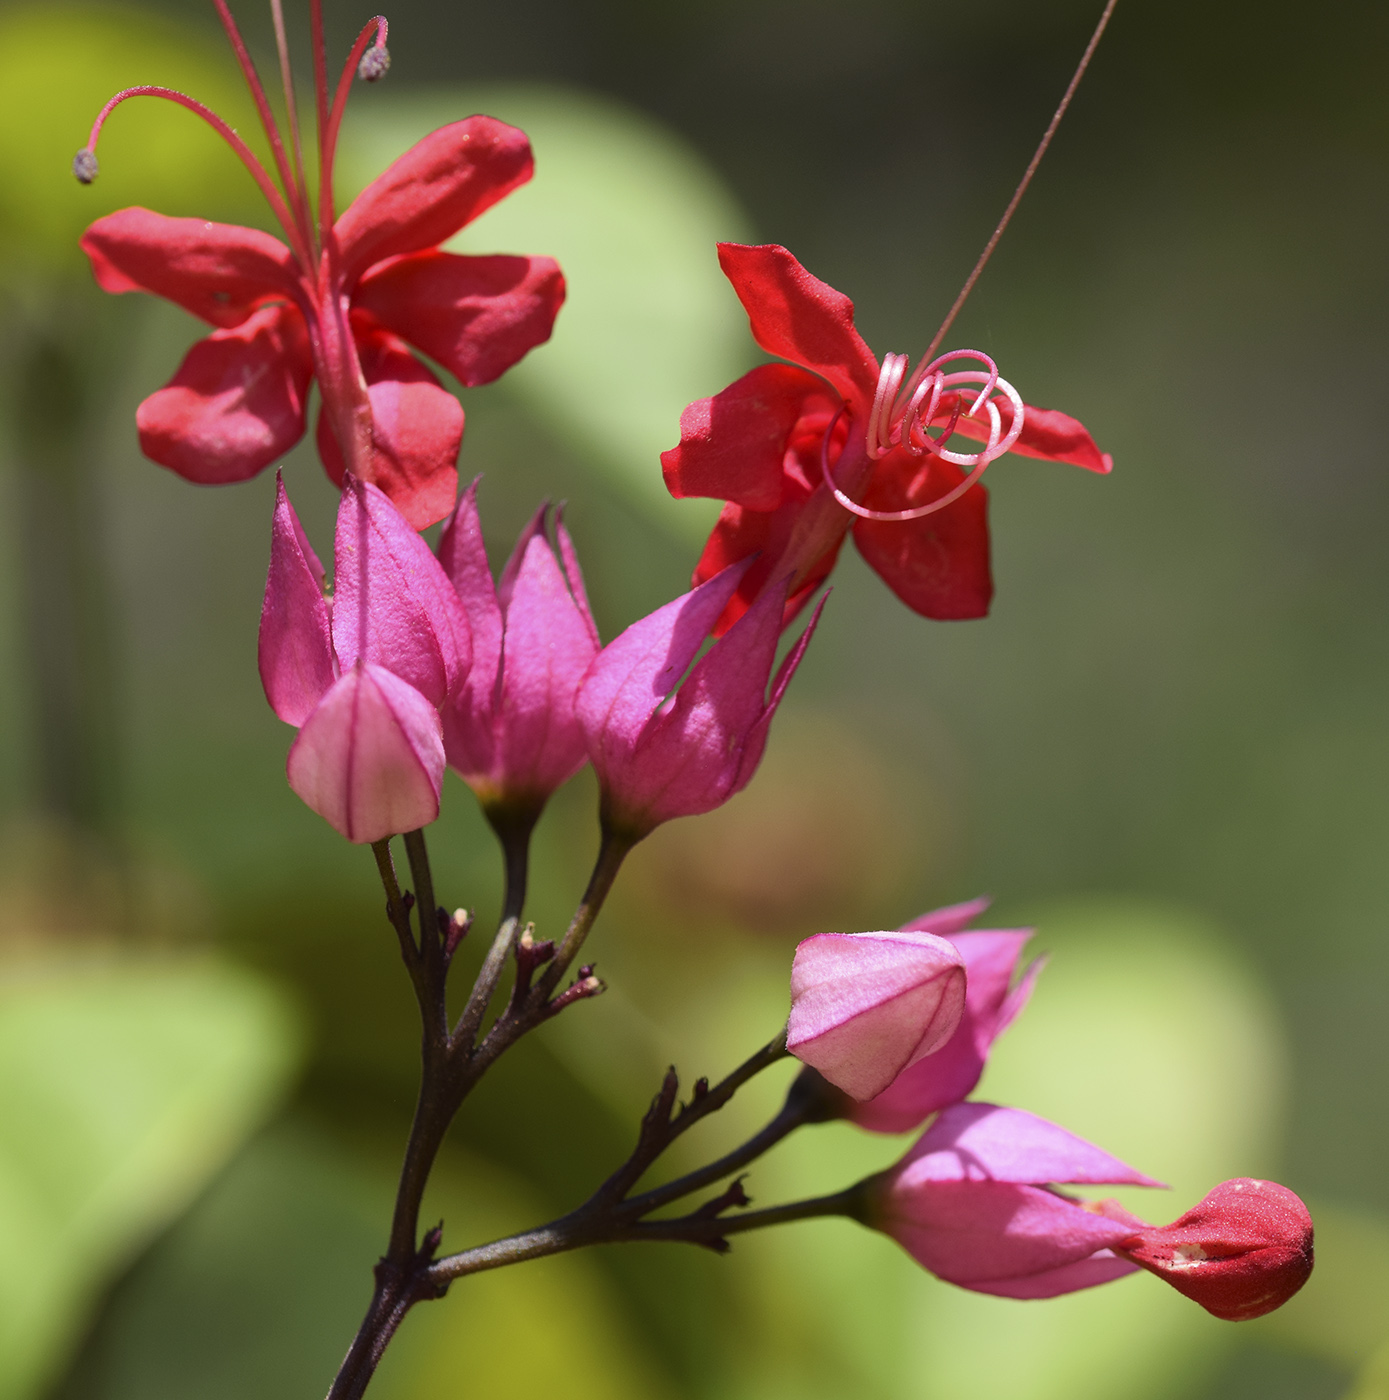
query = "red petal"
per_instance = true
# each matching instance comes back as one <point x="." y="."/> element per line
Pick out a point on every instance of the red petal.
<point x="741" y="532"/>
<point x="236" y="403"/>
<point x="732" y="446"/>
<point x="216" y="271"/>
<point x="1046" y="433"/>
<point x="437" y="186"/>
<point x="476" y="316"/>
<point x="418" y="427"/>
<point x="802" y="319"/>
<point x="938" y="565"/>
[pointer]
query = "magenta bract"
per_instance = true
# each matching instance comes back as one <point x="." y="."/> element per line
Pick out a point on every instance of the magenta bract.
<point x="661" y="755"/>
<point x="991" y="1002"/>
<point x="362" y="673"/>
<point x="970" y="1203"/>
<point x="511" y="732"/>
<point x="866" y="1005"/>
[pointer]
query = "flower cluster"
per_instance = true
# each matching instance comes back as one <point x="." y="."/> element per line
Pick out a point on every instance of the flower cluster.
<point x="831" y="442"/>
<point x="902" y="1023"/>
<point x="339" y="302"/>
<point x="412" y="662"/>
<point x="415" y="661"/>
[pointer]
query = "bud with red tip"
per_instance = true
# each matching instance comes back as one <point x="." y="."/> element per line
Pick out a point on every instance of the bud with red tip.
<point x="1241" y="1253"/>
<point x="973" y="1202"/>
<point x="662" y="752"/>
<point x="864" y="1006"/>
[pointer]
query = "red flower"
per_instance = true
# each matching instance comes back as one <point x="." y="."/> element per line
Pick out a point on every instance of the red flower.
<point x="804" y="452"/>
<point x="337" y="303"/>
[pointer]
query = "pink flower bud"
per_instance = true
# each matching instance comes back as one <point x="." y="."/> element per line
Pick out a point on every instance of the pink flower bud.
<point x="297" y="665"/>
<point x="362" y="673"/>
<point x="370" y="758"/>
<point x="392" y="603"/>
<point x="991" y="1002"/>
<point x="970" y="1202"/>
<point x="864" y="1006"/>
<point x="1243" y="1251"/>
<point x="511" y="733"/>
<point x="661" y="755"/>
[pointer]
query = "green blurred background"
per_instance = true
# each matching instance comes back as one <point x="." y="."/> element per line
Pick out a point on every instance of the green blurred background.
<point x="1166" y="748"/>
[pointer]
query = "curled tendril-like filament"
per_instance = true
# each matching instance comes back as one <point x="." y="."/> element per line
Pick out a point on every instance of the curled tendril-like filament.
<point x="903" y="413"/>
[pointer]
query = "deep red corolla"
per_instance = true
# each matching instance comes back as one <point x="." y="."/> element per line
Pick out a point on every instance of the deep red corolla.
<point x="336" y="303"/>
<point x="804" y="452"/>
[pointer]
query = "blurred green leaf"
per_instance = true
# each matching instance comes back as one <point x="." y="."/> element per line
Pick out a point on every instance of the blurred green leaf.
<point x="257" y="1292"/>
<point x="1342" y="1314"/>
<point x="632" y="213"/>
<point x="123" y="1087"/>
<point x="1373" y="1381"/>
<point x="61" y="65"/>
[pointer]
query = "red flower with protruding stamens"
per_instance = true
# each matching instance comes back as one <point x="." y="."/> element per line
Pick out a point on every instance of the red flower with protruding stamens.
<point x="832" y="442"/>
<point x="338" y="303"/>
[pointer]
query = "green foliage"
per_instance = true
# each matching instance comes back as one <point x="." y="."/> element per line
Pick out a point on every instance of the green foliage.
<point x="124" y="1087"/>
<point x="259" y="1290"/>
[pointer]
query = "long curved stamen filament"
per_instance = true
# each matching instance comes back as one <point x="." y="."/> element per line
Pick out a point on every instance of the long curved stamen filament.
<point x="320" y="97"/>
<point x="911" y="432"/>
<point x="277" y="14"/>
<point x="1024" y="182"/>
<point x="351" y="70"/>
<point x="294" y="193"/>
<point x="243" y="152"/>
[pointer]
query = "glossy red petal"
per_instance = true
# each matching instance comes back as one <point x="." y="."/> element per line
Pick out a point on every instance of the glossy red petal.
<point x="418" y="428"/>
<point x="1046" y="432"/>
<point x="237" y="402"/>
<point x="801" y="319"/>
<point x="732" y="446"/>
<point x="437" y="186"/>
<point x="938" y="565"/>
<point x="476" y="316"/>
<point x="217" y="271"/>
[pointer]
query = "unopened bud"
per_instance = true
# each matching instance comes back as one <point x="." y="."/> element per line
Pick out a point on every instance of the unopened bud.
<point x="85" y="167"/>
<point x="374" y="64"/>
<point x="1243" y="1251"/>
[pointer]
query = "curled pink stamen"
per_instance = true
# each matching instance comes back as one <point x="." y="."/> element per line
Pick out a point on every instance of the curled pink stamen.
<point x="898" y="417"/>
<point x="892" y="423"/>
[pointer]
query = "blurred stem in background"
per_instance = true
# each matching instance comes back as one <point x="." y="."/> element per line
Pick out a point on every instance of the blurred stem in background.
<point x="64" y="599"/>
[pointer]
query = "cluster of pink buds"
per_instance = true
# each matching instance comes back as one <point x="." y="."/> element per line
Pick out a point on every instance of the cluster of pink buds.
<point x="902" y="1023"/>
<point x="412" y="661"/>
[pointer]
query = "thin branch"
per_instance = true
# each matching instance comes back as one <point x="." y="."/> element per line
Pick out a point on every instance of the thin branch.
<point x="514" y="833"/>
<point x="575" y="1232"/>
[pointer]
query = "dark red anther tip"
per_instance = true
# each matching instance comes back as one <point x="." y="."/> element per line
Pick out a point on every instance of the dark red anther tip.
<point x="375" y="63"/>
